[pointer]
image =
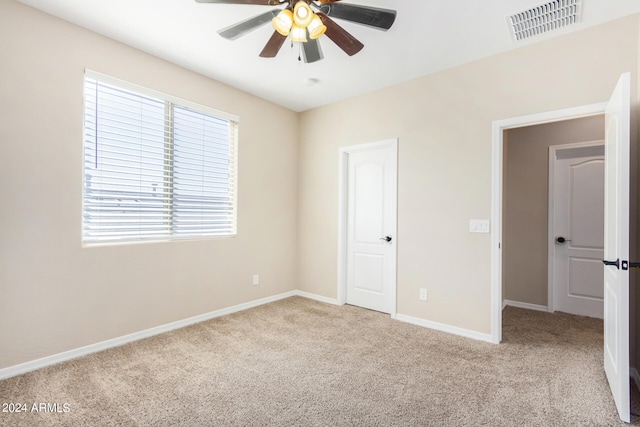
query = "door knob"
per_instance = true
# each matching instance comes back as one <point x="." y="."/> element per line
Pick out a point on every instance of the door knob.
<point x="386" y="238"/>
<point x="561" y="239"/>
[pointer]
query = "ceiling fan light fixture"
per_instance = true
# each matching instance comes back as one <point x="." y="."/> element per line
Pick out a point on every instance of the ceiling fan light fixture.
<point x="283" y="22"/>
<point x="316" y="27"/>
<point x="295" y="19"/>
<point x="302" y="14"/>
<point x="298" y="33"/>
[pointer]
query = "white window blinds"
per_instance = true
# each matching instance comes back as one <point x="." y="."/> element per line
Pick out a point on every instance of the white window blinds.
<point x="155" y="168"/>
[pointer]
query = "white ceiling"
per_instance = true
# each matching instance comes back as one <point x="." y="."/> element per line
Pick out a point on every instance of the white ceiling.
<point x="428" y="36"/>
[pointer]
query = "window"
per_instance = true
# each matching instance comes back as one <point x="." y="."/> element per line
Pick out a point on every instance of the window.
<point x="155" y="167"/>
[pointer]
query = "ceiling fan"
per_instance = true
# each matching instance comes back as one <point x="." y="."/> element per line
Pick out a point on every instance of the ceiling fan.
<point x="305" y="21"/>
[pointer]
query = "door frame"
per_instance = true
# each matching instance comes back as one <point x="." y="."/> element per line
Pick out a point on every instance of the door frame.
<point x="551" y="259"/>
<point x="343" y="182"/>
<point x="497" y="165"/>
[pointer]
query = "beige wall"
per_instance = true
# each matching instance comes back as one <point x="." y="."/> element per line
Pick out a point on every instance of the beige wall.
<point x="444" y="123"/>
<point x="526" y="206"/>
<point x="56" y="295"/>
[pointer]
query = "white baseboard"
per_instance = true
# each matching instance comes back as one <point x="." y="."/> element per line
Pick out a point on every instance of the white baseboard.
<point x="115" y="342"/>
<point x="445" y="328"/>
<point x="22" y="368"/>
<point x="320" y="298"/>
<point x="524" y="305"/>
<point x="413" y="320"/>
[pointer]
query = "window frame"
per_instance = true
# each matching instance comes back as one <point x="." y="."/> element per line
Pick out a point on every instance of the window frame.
<point x="179" y="103"/>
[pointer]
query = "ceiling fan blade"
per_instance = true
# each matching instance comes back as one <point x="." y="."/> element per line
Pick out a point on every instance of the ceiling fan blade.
<point x="258" y="2"/>
<point x="340" y="36"/>
<point x="241" y="28"/>
<point x="381" y="19"/>
<point x="273" y="46"/>
<point x="311" y="51"/>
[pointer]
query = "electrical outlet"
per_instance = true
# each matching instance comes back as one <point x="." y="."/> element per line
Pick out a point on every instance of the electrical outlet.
<point x="423" y="294"/>
<point x="256" y="279"/>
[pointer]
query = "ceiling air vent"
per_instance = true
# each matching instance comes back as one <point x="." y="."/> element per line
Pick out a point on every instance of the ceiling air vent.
<point x="544" y="18"/>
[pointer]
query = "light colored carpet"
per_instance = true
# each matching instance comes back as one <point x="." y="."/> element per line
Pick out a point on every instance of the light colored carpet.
<point x="298" y="362"/>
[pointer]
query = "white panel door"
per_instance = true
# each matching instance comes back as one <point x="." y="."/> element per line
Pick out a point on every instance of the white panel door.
<point x="371" y="225"/>
<point x="616" y="246"/>
<point x="579" y="231"/>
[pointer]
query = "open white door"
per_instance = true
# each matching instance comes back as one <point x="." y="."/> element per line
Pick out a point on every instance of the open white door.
<point x="616" y="246"/>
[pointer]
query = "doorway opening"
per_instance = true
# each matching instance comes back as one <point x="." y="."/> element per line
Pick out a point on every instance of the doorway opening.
<point x="500" y="134"/>
<point x="619" y="232"/>
<point x="553" y="187"/>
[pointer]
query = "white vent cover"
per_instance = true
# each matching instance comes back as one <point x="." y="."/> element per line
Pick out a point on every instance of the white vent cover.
<point x="544" y="18"/>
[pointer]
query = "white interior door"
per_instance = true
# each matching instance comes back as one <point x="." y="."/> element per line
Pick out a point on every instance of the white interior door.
<point x="371" y="227"/>
<point x="578" y="229"/>
<point x="616" y="246"/>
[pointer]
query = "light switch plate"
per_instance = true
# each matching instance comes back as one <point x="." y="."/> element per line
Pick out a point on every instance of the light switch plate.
<point x="479" y="226"/>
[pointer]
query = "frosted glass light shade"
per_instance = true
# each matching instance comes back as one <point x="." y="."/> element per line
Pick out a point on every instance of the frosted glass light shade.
<point x="298" y="33"/>
<point x="302" y="14"/>
<point x="283" y="22"/>
<point x="316" y="27"/>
